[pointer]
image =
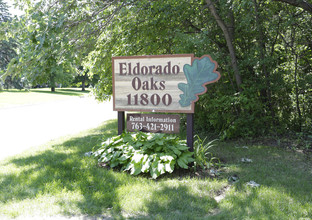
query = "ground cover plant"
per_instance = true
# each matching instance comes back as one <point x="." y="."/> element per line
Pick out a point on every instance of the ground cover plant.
<point x="141" y="152"/>
<point x="59" y="179"/>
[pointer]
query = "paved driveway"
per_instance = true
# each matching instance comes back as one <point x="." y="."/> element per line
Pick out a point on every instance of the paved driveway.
<point x="28" y="126"/>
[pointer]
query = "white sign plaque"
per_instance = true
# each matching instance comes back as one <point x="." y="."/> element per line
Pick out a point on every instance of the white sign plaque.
<point x="150" y="83"/>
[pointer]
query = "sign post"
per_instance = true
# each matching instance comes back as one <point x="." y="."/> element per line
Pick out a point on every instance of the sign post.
<point x="162" y="83"/>
<point x="190" y="131"/>
<point x="121" y="122"/>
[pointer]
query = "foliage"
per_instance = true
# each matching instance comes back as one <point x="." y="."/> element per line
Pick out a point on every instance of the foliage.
<point x="4" y="16"/>
<point x="7" y="52"/>
<point x="42" y="58"/>
<point x="155" y="154"/>
<point x="203" y="156"/>
<point x="268" y="91"/>
<point x="7" y="47"/>
<point x="83" y="80"/>
<point x="275" y="94"/>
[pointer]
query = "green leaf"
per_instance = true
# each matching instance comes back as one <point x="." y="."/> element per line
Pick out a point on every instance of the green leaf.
<point x="174" y="149"/>
<point x="127" y="137"/>
<point x="147" y="146"/>
<point x="198" y="74"/>
<point x="182" y="147"/>
<point x="182" y="163"/>
<point x="146" y="163"/>
<point x="185" y="159"/>
<point x="157" y="149"/>
<point x="160" y="142"/>
<point x="114" y="164"/>
<point x="154" y="169"/>
<point x="128" y="167"/>
<point x="166" y="158"/>
<point x="107" y="142"/>
<point x="116" y="142"/>
<point x="124" y="157"/>
<point x="136" y="169"/>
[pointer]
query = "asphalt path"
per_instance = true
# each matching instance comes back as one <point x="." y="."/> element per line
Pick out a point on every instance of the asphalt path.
<point x="23" y="127"/>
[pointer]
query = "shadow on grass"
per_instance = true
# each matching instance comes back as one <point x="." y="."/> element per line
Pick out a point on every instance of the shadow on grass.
<point x="177" y="202"/>
<point x="68" y="92"/>
<point x="58" y="91"/>
<point x="13" y="91"/>
<point x="284" y="178"/>
<point x="66" y="173"/>
<point x="78" y="186"/>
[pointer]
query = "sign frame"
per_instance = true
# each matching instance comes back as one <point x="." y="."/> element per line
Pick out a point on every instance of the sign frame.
<point x="192" y="107"/>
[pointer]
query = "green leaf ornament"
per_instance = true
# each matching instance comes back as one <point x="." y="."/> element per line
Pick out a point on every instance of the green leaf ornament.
<point x="201" y="72"/>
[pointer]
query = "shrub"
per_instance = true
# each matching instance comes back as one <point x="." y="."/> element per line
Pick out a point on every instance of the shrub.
<point x="141" y="152"/>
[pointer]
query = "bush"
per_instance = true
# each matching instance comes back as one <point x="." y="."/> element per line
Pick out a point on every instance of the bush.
<point x="141" y="152"/>
<point x="233" y="116"/>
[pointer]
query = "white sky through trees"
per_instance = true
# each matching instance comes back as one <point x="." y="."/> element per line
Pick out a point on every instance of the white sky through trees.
<point x="13" y="11"/>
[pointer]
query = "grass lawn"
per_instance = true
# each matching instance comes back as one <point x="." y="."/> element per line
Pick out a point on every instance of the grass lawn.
<point x="57" y="179"/>
<point x="14" y="97"/>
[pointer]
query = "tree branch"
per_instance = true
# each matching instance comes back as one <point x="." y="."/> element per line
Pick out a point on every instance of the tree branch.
<point x="298" y="3"/>
<point x="229" y="42"/>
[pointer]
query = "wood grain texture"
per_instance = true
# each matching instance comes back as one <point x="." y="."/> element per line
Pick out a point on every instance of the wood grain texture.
<point x="150" y="83"/>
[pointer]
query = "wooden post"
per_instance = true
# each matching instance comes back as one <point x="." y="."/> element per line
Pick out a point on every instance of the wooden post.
<point x="121" y="122"/>
<point x="190" y="131"/>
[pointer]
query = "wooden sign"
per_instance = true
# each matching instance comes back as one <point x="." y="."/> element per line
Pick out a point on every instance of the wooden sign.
<point x="165" y="83"/>
<point x="154" y="123"/>
<point x="162" y="83"/>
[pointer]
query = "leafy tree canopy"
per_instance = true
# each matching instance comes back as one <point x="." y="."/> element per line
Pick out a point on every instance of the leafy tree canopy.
<point x="7" y="46"/>
<point x="263" y="48"/>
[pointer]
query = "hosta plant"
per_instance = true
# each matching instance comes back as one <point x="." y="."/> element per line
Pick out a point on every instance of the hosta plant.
<point x="141" y="152"/>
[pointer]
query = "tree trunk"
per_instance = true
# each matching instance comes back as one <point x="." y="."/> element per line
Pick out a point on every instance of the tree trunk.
<point x="228" y="34"/>
<point x="297" y="94"/>
<point x="83" y="83"/>
<point x="52" y="82"/>
<point x="261" y="43"/>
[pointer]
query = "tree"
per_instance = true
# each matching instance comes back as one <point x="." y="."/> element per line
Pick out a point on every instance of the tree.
<point x="263" y="48"/>
<point x="4" y="12"/>
<point x="7" y="46"/>
<point x="226" y="29"/>
<point x="42" y="58"/>
<point x="82" y="79"/>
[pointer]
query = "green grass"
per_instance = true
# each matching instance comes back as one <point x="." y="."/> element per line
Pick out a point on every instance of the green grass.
<point x="12" y="98"/>
<point x="57" y="179"/>
<point x="285" y="180"/>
